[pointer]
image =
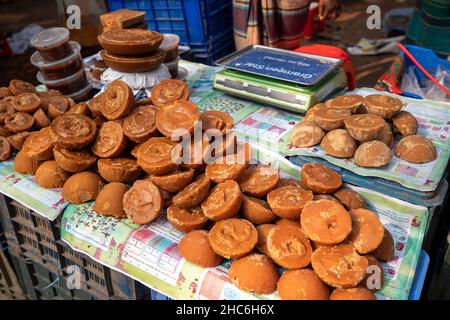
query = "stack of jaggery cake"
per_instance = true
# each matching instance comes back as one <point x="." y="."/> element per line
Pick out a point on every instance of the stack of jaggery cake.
<point x="132" y="50"/>
<point x="123" y="19"/>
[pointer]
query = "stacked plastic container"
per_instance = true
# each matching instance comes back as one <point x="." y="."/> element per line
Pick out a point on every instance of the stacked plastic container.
<point x="60" y="64"/>
<point x="170" y="46"/>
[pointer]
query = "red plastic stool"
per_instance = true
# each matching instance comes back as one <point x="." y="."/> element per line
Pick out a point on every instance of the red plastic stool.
<point x="312" y="27"/>
<point x="333" y="52"/>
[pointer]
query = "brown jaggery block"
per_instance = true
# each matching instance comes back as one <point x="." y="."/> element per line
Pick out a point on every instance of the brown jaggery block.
<point x="350" y="199"/>
<point x="73" y="131"/>
<point x="26" y="102"/>
<point x="175" y="181"/>
<point x="416" y="149"/>
<point x="225" y="168"/>
<point x="17" y="87"/>
<point x="19" y="122"/>
<point x="386" y="135"/>
<point x="339" y="143"/>
<point x="82" y="187"/>
<point x="17" y="140"/>
<point x="109" y="200"/>
<point x="405" y="123"/>
<point x="320" y="179"/>
<point x="352" y="294"/>
<point x="140" y="125"/>
<point x="143" y="203"/>
<point x="110" y="140"/>
<point x="289" y="247"/>
<point x="73" y="161"/>
<point x="39" y="145"/>
<point x="168" y="91"/>
<point x="302" y="284"/>
<point x="216" y="120"/>
<point x="134" y="63"/>
<point x="306" y="134"/>
<point x="26" y="165"/>
<point x="233" y="238"/>
<point x="122" y="18"/>
<point x="57" y="106"/>
<point x="288" y="202"/>
<point x="339" y="266"/>
<point x="309" y="116"/>
<point x="263" y="231"/>
<point x="49" y="175"/>
<point x="373" y="154"/>
<point x="364" y="127"/>
<point x="382" y="105"/>
<point x="117" y="100"/>
<point x="385" y="251"/>
<point x="130" y="41"/>
<point x="6" y="150"/>
<point x="41" y="120"/>
<point x="195" y="248"/>
<point x="368" y="231"/>
<point x="374" y="278"/>
<point x="254" y="273"/>
<point x="223" y="202"/>
<point x="177" y="119"/>
<point x="119" y="170"/>
<point x="155" y="156"/>
<point x="186" y="219"/>
<point x="257" y="210"/>
<point x="325" y="222"/>
<point x="193" y="194"/>
<point x="350" y="102"/>
<point x="330" y="119"/>
<point x="259" y="181"/>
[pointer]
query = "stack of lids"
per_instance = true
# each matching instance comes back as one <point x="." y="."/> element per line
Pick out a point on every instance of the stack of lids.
<point x="60" y="64"/>
<point x="123" y="19"/>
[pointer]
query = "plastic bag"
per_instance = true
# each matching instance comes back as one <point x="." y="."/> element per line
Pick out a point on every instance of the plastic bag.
<point x="427" y="89"/>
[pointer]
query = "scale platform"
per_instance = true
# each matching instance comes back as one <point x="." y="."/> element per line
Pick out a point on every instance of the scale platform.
<point x="285" y="79"/>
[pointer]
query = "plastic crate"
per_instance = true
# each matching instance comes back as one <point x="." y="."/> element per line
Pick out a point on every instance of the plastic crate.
<point x="195" y="21"/>
<point x="9" y="285"/>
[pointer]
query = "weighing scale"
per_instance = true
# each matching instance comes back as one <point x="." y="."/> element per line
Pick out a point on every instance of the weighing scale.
<point x="286" y="79"/>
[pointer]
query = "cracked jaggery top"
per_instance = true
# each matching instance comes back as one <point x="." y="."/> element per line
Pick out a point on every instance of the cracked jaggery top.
<point x="110" y="140"/>
<point x="193" y="194"/>
<point x="214" y="119"/>
<point x="117" y="100"/>
<point x="169" y="91"/>
<point x="339" y="266"/>
<point x="175" y="181"/>
<point x="119" y="170"/>
<point x="39" y="145"/>
<point x="130" y="41"/>
<point x="19" y="122"/>
<point x="17" y="87"/>
<point x="382" y="105"/>
<point x="233" y="238"/>
<point x="73" y="131"/>
<point x="350" y="102"/>
<point x="73" y="161"/>
<point x="320" y="179"/>
<point x="288" y="201"/>
<point x="143" y="203"/>
<point x="289" y="247"/>
<point x="225" y="168"/>
<point x="140" y="124"/>
<point x="325" y="222"/>
<point x="223" y="202"/>
<point x="259" y="181"/>
<point x="27" y="102"/>
<point x="155" y="156"/>
<point x="180" y="115"/>
<point x="186" y="219"/>
<point x="368" y="231"/>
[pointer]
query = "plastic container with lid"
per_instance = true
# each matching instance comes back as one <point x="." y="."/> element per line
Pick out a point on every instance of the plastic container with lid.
<point x="61" y="68"/>
<point x="173" y="67"/>
<point x="82" y="95"/>
<point x="68" y="85"/>
<point x="53" y="44"/>
<point x="170" y="45"/>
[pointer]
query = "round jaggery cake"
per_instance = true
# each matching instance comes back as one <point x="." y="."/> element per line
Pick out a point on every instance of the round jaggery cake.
<point x="73" y="131"/>
<point x="368" y="231"/>
<point x="169" y="91"/>
<point x="352" y="294"/>
<point x="320" y="179"/>
<point x="140" y="125"/>
<point x="325" y="197"/>
<point x="24" y="164"/>
<point x="309" y="116"/>
<point x="177" y="119"/>
<point x="17" y="140"/>
<point x="26" y="102"/>
<point x="186" y="219"/>
<point x="119" y="170"/>
<point x="117" y="101"/>
<point x="263" y="232"/>
<point x="39" y="145"/>
<point x="57" y="106"/>
<point x="193" y="194"/>
<point x="216" y="120"/>
<point x="41" y="120"/>
<point x="73" y="161"/>
<point x="325" y="222"/>
<point x="95" y="103"/>
<point x="339" y="143"/>
<point x="416" y="149"/>
<point x="364" y="127"/>
<point x="289" y="247"/>
<point x="257" y="210"/>
<point x="350" y="102"/>
<point x="233" y="238"/>
<point x="382" y="105"/>
<point x="156" y="156"/>
<point x="110" y="141"/>
<point x="223" y="202"/>
<point x="259" y="181"/>
<point x="143" y="203"/>
<point x="175" y="181"/>
<point x="80" y="108"/>
<point x="385" y="251"/>
<point x="17" y="87"/>
<point x="374" y="278"/>
<point x="302" y="284"/>
<point x="306" y="134"/>
<point x="225" y="168"/>
<point x="50" y="176"/>
<point x="386" y="135"/>
<point x="284" y="221"/>
<point x="330" y="119"/>
<point x="6" y="150"/>
<point x="405" y="123"/>
<point x="288" y="201"/>
<point x="254" y="273"/>
<point x="19" y="122"/>
<point x="339" y="266"/>
<point x="373" y="154"/>
<point x="195" y="247"/>
<point x="350" y="199"/>
<point x="109" y="200"/>
<point x="82" y="187"/>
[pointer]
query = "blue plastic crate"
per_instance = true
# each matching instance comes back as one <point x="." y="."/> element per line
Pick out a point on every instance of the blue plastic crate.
<point x="195" y="21"/>
<point x="419" y="277"/>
